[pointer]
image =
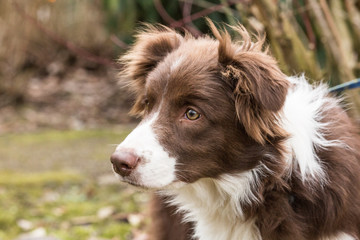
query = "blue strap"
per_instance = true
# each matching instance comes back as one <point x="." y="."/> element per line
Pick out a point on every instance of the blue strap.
<point x="344" y="86"/>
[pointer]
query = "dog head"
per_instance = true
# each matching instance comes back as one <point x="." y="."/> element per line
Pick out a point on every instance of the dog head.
<point x="208" y="107"/>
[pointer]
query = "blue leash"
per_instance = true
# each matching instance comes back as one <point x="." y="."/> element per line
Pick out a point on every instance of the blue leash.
<point x="344" y="86"/>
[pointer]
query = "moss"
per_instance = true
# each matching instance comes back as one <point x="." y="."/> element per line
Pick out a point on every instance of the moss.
<point x="77" y="232"/>
<point x="57" y="199"/>
<point x="117" y="231"/>
<point x="82" y="151"/>
<point x="15" y="179"/>
<point x="44" y="137"/>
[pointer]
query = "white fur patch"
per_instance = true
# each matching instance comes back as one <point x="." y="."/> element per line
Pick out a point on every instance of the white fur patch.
<point x="214" y="205"/>
<point x="176" y="63"/>
<point x="302" y="115"/>
<point x="156" y="168"/>
<point x="340" y="236"/>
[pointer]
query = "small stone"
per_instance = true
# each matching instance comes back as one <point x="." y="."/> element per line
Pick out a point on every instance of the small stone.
<point x="135" y="219"/>
<point x="37" y="234"/>
<point x="105" y="212"/>
<point x="59" y="211"/>
<point x="51" y="196"/>
<point x="25" y="224"/>
<point x="108" y="179"/>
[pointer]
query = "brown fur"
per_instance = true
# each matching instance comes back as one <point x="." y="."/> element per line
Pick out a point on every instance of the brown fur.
<point x="166" y="217"/>
<point x="240" y="91"/>
<point x="259" y="86"/>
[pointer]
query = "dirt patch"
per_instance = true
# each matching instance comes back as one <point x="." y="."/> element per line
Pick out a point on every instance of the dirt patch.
<point x="68" y="98"/>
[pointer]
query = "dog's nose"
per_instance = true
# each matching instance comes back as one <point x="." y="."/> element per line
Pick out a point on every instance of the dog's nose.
<point x="124" y="162"/>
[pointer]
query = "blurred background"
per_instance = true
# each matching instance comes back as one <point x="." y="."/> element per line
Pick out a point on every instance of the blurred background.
<point x="62" y="111"/>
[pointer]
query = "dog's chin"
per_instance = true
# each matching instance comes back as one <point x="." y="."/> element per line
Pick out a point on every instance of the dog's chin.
<point x="137" y="185"/>
<point x="148" y="187"/>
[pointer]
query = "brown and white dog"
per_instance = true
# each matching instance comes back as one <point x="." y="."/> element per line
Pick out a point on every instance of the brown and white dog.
<point x="233" y="148"/>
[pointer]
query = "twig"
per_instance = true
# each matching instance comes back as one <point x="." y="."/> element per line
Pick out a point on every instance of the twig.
<point x="345" y="72"/>
<point x="308" y="27"/>
<point x="324" y="26"/>
<point x="354" y="17"/>
<point x="187" y="9"/>
<point x="163" y="13"/>
<point x="186" y="14"/>
<point x="182" y="22"/>
<point x="118" y="42"/>
<point x="205" y="4"/>
<point x="69" y="45"/>
<point x="167" y="18"/>
<point x="329" y="19"/>
<point x="204" y="12"/>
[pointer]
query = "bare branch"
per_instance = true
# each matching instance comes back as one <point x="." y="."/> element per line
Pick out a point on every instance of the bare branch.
<point x="118" y="42"/>
<point x="63" y="42"/>
<point x="167" y="18"/>
<point x="203" y="13"/>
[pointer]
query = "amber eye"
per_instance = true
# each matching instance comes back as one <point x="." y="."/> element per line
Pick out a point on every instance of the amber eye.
<point x="192" y="115"/>
<point x="146" y="102"/>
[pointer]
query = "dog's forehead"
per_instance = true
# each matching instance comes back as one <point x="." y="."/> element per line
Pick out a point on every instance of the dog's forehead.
<point x="188" y="66"/>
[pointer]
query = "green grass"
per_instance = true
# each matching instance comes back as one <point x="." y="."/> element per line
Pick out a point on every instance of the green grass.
<point x="86" y="151"/>
<point x="54" y="181"/>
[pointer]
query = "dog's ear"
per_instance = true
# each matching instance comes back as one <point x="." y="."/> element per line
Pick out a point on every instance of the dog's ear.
<point x="151" y="45"/>
<point x="259" y="87"/>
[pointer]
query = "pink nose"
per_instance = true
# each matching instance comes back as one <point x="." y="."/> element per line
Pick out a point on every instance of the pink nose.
<point x="124" y="162"/>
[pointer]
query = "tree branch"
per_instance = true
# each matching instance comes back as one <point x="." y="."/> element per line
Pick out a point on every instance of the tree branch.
<point x="63" y="42"/>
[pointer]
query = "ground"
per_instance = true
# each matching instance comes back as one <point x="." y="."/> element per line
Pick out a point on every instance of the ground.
<point x="58" y="128"/>
<point x="59" y="185"/>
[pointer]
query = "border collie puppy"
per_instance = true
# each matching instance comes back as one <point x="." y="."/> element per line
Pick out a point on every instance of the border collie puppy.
<point x="233" y="148"/>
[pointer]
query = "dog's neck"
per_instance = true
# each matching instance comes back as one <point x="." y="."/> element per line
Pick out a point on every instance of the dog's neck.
<point x="216" y="205"/>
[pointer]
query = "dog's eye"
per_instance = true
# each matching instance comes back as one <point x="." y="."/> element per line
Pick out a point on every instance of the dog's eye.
<point x="192" y="115"/>
<point x="146" y="103"/>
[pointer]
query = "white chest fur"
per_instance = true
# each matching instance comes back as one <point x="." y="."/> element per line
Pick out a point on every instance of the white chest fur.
<point x="215" y="207"/>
